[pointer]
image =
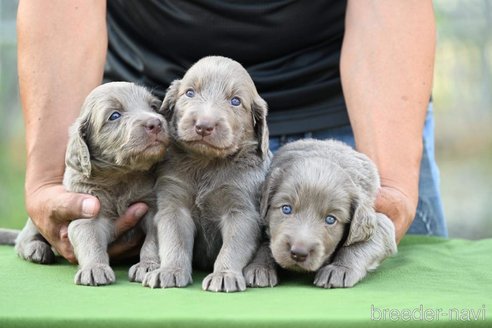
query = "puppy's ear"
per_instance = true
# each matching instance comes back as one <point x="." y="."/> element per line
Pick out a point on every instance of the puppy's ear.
<point x="260" y="109"/>
<point x="363" y="221"/>
<point x="78" y="156"/>
<point x="167" y="107"/>
<point x="269" y="188"/>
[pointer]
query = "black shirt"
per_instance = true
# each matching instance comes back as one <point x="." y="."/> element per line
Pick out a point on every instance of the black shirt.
<point x="291" y="48"/>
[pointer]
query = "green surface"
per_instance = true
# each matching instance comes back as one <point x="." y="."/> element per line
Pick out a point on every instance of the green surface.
<point x="429" y="275"/>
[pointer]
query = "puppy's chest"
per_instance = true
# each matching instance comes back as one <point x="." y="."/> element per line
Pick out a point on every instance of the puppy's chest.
<point x="120" y="198"/>
<point x="210" y="193"/>
<point x="209" y="189"/>
<point x="115" y="197"/>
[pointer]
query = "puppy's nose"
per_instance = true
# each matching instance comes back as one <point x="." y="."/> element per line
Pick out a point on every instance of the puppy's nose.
<point x="299" y="254"/>
<point x="153" y="126"/>
<point x="204" y="128"/>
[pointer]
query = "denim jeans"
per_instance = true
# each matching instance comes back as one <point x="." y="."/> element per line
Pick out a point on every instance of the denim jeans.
<point x="429" y="219"/>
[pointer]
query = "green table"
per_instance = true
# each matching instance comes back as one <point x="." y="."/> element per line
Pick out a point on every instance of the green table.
<point x="431" y="280"/>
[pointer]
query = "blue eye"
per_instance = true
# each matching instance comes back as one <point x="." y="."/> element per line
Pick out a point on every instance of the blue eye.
<point x="114" y="116"/>
<point x="190" y="93"/>
<point x="330" y="220"/>
<point x="235" y="101"/>
<point x="286" y="209"/>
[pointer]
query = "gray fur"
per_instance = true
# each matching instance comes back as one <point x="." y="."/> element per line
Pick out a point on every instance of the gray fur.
<point x="8" y="236"/>
<point x="209" y="186"/>
<point x="112" y="160"/>
<point x="321" y="178"/>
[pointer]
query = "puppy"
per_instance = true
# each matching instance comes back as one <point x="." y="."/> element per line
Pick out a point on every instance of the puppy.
<point x="113" y="146"/>
<point x="209" y="187"/>
<point x="317" y="202"/>
<point x="8" y="236"/>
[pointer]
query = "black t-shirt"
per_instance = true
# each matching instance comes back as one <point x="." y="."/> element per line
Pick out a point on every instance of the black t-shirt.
<point x="291" y="48"/>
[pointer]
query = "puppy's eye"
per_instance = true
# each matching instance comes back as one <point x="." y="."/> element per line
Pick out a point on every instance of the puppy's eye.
<point x="235" y="101"/>
<point x="286" y="209"/>
<point x="114" y="116"/>
<point x="190" y="93"/>
<point x="330" y="220"/>
<point x="155" y="107"/>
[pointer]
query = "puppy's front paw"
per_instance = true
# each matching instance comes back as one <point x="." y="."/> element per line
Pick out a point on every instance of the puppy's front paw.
<point x="138" y="271"/>
<point x="38" y="252"/>
<point x="167" y="278"/>
<point x="224" y="281"/>
<point x="95" y="275"/>
<point x="336" y="276"/>
<point x="260" y="276"/>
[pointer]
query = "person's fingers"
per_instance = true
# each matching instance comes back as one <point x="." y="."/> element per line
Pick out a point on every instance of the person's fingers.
<point x="64" y="247"/>
<point x="124" y="249"/>
<point x="129" y="244"/>
<point x="131" y="217"/>
<point x="394" y="204"/>
<point x="57" y="235"/>
<point x="68" y="206"/>
<point x="52" y="208"/>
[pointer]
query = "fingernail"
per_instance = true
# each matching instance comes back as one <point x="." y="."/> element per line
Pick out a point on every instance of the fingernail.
<point x="140" y="211"/>
<point x="88" y="207"/>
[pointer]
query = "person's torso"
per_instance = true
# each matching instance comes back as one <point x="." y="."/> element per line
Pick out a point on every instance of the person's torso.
<point x="291" y="48"/>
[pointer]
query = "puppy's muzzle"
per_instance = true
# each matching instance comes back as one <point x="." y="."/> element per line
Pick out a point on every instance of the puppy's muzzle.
<point x="204" y="127"/>
<point x="153" y="126"/>
<point x="300" y="252"/>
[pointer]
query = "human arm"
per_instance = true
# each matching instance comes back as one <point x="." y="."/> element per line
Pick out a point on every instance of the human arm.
<point x="61" y="53"/>
<point x="386" y="68"/>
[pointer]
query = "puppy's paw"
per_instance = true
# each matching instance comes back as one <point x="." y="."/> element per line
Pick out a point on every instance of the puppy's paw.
<point x="37" y="251"/>
<point x="138" y="271"/>
<point x="95" y="275"/>
<point x="337" y="276"/>
<point x="167" y="278"/>
<point x="224" y="281"/>
<point x="260" y="276"/>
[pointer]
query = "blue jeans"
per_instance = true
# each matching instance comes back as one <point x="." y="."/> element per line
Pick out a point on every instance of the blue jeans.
<point x="429" y="219"/>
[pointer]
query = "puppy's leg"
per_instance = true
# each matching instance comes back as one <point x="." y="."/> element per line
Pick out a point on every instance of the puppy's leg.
<point x="8" y="236"/>
<point x="149" y="254"/>
<point x="352" y="263"/>
<point x="240" y="235"/>
<point x="261" y="271"/>
<point x="90" y="239"/>
<point x="31" y="246"/>
<point x="175" y="233"/>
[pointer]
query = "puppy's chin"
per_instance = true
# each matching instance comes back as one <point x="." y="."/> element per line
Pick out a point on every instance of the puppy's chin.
<point x="154" y="152"/>
<point x="206" y="149"/>
<point x="143" y="157"/>
<point x="284" y="260"/>
<point x="281" y="255"/>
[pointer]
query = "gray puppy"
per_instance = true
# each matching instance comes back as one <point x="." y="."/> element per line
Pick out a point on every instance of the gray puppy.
<point x="113" y="146"/>
<point x="209" y="186"/>
<point x="318" y="203"/>
<point x="8" y="236"/>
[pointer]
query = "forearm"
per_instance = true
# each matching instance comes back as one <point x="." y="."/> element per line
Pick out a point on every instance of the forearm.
<point x="61" y="52"/>
<point x="386" y="69"/>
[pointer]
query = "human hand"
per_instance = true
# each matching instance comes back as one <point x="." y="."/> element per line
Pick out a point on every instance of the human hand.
<point x="398" y="207"/>
<point x="51" y="208"/>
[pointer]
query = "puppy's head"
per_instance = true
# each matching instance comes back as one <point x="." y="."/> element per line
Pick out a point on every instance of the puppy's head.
<point x="118" y="127"/>
<point x="215" y="110"/>
<point x="311" y="208"/>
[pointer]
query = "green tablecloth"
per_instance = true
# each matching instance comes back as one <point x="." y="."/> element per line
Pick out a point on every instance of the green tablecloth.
<point x="431" y="280"/>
